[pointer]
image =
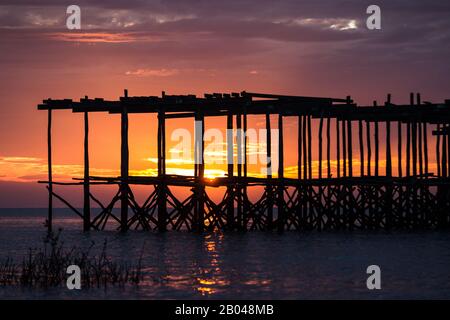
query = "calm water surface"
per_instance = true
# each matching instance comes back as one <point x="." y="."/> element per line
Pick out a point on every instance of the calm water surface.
<point x="254" y="265"/>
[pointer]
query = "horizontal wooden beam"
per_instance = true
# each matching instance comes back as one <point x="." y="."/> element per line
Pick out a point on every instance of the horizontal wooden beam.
<point x="257" y="104"/>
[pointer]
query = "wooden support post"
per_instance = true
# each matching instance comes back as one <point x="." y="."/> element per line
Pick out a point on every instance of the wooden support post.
<point x="201" y="170"/>
<point x="320" y="190"/>
<point x="328" y="147"/>
<point x="245" y="143"/>
<point x="124" y="166"/>
<point x="408" y="149"/>
<point x="245" y="196"/>
<point x="338" y="149"/>
<point x="280" y="198"/>
<point x="159" y="146"/>
<point x="399" y="148"/>
<point x="50" y="173"/>
<point x="419" y="128"/>
<point x="304" y="215"/>
<point x="239" y="170"/>
<point x="444" y="154"/>
<point x="420" y="146"/>
<point x="162" y="194"/>
<point x="269" y="173"/>
<point x="408" y="142"/>
<point x="328" y="188"/>
<point x="377" y="149"/>
<point x="280" y="147"/>
<point x="414" y="148"/>
<point x="309" y="148"/>
<point x="344" y="148"/>
<point x="268" y="147"/>
<point x="361" y="147"/>
<point x="163" y="144"/>
<point x="389" y="187"/>
<point x="425" y="147"/>
<point x="319" y="218"/>
<point x="350" y="143"/>
<point x="299" y="148"/>
<point x="320" y="144"/>
<point x="369" y="149"/>
<point x="351" y="214"/>
<point x="305" y="156"/>
<point x="350" y="148"/>
<point x="239" y="144"/>
<point x="230" y="162"/>
<point x="299" y="208"/>
<point x="400" y="207"/>
<point x="369" y="173"/>
<point x="310" y="175"/>
<point x="438" y="151"/>
<point x="388" y="150"/>
<point x="86" y="183"/>
<point x="448" y="151"/>
<point x="388" y="143"/>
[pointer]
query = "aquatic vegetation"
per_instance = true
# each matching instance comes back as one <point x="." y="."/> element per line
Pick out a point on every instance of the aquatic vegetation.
<point x="46" y="267"/>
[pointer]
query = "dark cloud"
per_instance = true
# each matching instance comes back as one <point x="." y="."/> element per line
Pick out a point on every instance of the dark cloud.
<point x="402" y="21"/>
<point x="284" y="37"/>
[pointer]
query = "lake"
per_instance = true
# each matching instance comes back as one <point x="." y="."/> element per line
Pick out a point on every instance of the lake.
<point x="252" y="265"/>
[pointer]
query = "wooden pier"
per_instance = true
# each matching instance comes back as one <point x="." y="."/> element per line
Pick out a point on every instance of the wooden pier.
<point x="332" y="191"/>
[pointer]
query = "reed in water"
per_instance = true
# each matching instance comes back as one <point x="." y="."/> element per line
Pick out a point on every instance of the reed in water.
<point x="46" y="267"/>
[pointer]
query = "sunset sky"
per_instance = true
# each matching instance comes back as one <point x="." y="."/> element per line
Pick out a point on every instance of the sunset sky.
<point x="311" y="48"/>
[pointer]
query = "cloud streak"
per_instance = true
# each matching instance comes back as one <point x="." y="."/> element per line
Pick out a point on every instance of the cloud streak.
<point x="153" y="72"/>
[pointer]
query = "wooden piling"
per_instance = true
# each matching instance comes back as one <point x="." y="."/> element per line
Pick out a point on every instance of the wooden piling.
<point x="388" y="141"/>
<point x="299" y="147"/>
<point x="377" y="149"/>
<point x="350" y="148"/>
<point x="338" y="149"/>
<point x="86" y="184"/>
<point x="361" y="148"/>
<point x="344" y="149"/>
<point x="438" y="151"/>
<point x="269" y="173"/>
<point x="328" y="147"/>
<point x="444" y="155"/>
<point x="369" y="148"/>
<point x="280" y="198"/>
<point x="305" y="157"/>
<point x="310" y="175"/>
<point x="414" y="148"/>
<point x="162" y="195"/>
<point x="239" y="171"/>
<point x="399" y="148"/>
<point x="448" y="151"/>
<point x="388" y="150"/>
<point x="320" y="145"/>
<point x="230" y="162"/>
<point x="425" y="147"/>
<point x="124" y="167"/>
<point x="201" y="176"/>
<point x="246" y="203"/>
<point x="50" y="172"/>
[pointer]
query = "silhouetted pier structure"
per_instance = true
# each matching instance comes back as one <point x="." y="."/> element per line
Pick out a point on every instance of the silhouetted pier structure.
<point x="329" y="192"/>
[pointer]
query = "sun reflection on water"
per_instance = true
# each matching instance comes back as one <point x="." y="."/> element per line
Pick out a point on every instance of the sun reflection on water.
<point x="210" y="279"/>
